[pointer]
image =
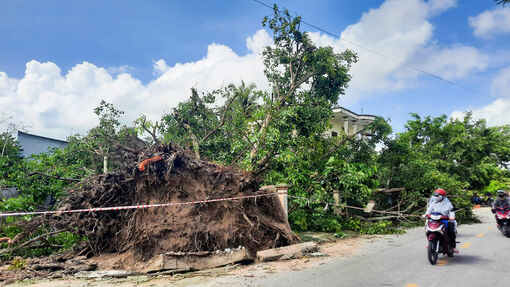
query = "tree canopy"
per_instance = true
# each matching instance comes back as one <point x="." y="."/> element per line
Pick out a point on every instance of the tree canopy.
<point x="280" y="135"/>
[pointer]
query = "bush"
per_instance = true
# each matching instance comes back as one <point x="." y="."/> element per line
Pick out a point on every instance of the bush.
<point x="380" y="227"/>
<point x="56" y="243"/>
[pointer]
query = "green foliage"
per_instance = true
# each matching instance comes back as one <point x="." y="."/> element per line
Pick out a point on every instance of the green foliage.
<point x="17" y="264"/>
<point x="454" y="155"/>
<point x="354" y="180"/>
<point x="7" y="229"/>
<point x="318" y="166"/>
<point x="279" y="135"/>
<point x="496" y="185"/>
<point x="379" y="227"/>
<point x="351" y="223"/>
<point x="47" y="176"/>
<point x="215" y="133"/>
<point x="10" y="161"/>
<point x="22" y="202"/>
<point x="41" y="176"/>
<point x="47" y="245"/>
<point x="101" y="140"/>
<point x="340" y="235"/>
<point x="254" y="129"/>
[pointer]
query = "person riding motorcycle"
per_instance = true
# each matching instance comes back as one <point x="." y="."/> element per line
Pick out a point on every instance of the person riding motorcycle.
<point x="501" y="201"/>
<point x="441" y="204"/>
<point x="475" y="199"/>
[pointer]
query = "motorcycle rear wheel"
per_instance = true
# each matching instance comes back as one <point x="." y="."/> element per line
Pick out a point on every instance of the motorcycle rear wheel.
<point x="450" y="251"/>
<point x="431" y="252"/>
<point x="506" y="231"/>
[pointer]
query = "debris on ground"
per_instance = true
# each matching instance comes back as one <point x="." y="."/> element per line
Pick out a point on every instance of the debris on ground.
<point x="105" y="273"/>
<point x="199" y="260"/>
<point x="317" y="254"/>
<point x="319" y="237"/>
<point x="288" y="252"/>
<point x="55" y="266"/>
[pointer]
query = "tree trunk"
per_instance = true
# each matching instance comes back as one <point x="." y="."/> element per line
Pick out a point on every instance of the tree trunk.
<point x="263" y="130"/>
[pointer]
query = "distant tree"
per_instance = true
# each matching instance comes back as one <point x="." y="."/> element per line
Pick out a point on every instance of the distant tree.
<point x="503" y="2"/>
<point x="457" y="155"/>
<point x="102" y="140"/>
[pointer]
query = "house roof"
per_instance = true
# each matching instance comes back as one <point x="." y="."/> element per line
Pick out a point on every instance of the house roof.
<point x="354" y="116"/>
<point x="46" y="138"/>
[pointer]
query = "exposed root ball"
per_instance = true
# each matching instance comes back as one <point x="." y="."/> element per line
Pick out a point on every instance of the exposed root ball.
<point x="256" y="224"/>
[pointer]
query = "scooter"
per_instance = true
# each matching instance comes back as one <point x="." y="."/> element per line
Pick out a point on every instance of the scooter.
<point x="435" y="230"/>
<point x="503" y="219"/>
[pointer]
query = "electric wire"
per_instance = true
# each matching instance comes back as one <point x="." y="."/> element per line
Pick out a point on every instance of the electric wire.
<point x="409" y="66"/>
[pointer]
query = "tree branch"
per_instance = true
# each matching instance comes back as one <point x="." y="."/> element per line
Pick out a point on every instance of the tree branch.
<point x="239" y="156"/>
<point x="153" y="132"/>
<point x="26" y="244"/>
<point x="194" y="139"/>
<point x="222" y="121"/>
<point x="341" y="143"/>
<point x="300" y="82"/>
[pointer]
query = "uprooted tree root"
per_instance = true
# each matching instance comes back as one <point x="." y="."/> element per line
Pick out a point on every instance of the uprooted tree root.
<point x="255" y="223"/>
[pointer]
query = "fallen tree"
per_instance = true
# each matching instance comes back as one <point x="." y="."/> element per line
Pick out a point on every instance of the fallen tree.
<point x="178" y="176"/>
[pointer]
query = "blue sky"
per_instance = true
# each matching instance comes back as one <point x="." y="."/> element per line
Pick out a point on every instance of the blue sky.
<point x="58" y="59"/>
<point x="133" y="33"/>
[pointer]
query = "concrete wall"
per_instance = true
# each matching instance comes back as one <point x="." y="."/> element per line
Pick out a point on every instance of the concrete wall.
<point x="33" y="144"/>
<point x="8" y="192"/>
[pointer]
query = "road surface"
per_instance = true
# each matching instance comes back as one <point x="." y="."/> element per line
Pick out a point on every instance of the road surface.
<point x="400" y="260"/>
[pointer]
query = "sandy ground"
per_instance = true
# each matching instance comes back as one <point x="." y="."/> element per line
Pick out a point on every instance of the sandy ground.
<point x="212" y="277"/>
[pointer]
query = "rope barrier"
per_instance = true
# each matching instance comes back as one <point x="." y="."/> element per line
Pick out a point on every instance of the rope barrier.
<point x="354" y="207"/>
<point x="188" y="203"/>
<point x="141" y="206"/>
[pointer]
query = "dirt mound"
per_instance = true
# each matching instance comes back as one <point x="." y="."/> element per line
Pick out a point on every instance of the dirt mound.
<point x="255" y="223"/>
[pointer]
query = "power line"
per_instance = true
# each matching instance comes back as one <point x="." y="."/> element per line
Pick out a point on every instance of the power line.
<point x="434" y="76"/>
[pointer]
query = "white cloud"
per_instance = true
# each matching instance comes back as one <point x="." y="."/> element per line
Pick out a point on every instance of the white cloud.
<point x="259" y="41"/>
<point x="491" y="22"/>
<point x="501" y="84"/>
<point x="451" y="62"/>
<point x="438" y="6"/>
<point x="401" y="30"/>
<point x="52" y="103"/>
<point x="497" y="112"/>
<point x="121" y="69"/>
<point x="160" y="67"/>
<point x="486" y="25"/>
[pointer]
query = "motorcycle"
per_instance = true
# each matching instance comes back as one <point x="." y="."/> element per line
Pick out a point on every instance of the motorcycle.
<point x="489" y="201"/>
<point x="503" y="219"/>
<point x="435" y="230"/>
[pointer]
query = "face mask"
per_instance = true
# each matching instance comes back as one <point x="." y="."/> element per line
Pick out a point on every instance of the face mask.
<point x="439" y="198"/>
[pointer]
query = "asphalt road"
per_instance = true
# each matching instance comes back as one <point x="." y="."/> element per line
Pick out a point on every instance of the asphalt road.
<point x="401" y="260"/>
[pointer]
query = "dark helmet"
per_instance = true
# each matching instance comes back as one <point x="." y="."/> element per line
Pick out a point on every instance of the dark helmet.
<point x="501" y="193"/>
